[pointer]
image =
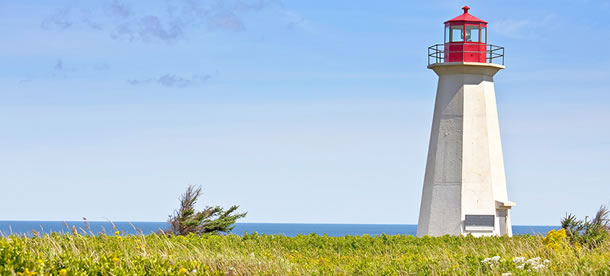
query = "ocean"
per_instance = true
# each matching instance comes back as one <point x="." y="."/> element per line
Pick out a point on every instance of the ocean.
<point x="286" y="229"/>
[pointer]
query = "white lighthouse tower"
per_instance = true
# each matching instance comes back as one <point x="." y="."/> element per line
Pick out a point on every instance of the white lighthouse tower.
<point x="465" y="186"/>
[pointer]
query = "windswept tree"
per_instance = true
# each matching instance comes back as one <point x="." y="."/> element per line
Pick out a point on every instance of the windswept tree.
<point x="212" y="219"/>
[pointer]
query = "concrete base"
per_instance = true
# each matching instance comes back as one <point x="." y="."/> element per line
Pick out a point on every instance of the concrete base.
<point x="465" y="167"/>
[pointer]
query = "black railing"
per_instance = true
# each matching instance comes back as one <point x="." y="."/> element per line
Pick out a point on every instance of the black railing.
<point x="493" y="54"/>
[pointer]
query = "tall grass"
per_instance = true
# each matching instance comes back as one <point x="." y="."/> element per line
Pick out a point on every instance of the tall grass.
<point x="75" y="254"/>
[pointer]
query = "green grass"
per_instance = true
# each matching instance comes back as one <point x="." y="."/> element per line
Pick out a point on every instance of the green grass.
<point x="279" y="255"/>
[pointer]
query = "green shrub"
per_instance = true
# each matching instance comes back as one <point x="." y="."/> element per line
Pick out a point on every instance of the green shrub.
<point x="212" y="220"/>
<point x="590" y="233"/>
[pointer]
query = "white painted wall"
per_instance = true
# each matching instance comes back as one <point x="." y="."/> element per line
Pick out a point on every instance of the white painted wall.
<point x="465" y="168"/>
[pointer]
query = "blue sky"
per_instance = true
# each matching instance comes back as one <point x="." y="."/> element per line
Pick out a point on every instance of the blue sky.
<point x="299" y="111"/>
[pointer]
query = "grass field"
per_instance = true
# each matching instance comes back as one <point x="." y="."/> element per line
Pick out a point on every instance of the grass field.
<point x="68" y="254"/>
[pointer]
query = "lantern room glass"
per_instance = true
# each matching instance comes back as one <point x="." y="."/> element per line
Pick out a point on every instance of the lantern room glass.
<point x="472" y="33"/>
<point x="457" y="33"/>
<point x="483" y="35"/>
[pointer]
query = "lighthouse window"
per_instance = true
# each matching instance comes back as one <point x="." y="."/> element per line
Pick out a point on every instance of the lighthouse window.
<point x="447" y="34"/>
<point x="457" y="33"/>
<point x="472" y="33"/>
<point x="484" y="35"/>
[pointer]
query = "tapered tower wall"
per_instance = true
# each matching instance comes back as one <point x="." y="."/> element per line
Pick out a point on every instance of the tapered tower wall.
<point x="465" y="168"/>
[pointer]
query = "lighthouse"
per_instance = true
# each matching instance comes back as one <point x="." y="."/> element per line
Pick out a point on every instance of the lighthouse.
<point x="464" y="185"/>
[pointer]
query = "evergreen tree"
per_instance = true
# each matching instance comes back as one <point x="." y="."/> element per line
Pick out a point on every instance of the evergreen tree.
<point x="212" y="220"/>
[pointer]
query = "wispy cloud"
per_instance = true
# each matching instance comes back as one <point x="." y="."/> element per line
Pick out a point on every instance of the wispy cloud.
<point x="169" y="23"/>
<point x="58" y="20"/>
<point x="61" y="69"/>
<point x="117" y="9"/>
<point x="59" y="65"/>
<point x="226" y="21"/>
<point x="172" y="80"/>
<point x="149" y="28"/>
<point x="296" y="21"/>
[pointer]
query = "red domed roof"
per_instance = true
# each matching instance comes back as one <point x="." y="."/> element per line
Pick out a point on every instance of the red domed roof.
<point x="466" y="17"/>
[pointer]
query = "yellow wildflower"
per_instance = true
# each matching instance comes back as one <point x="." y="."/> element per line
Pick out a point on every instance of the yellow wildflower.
<point x="182" y="270"/>
<point x="27" y="272"/>
<point x="63" y="272"/>
<point x="116" y="233"/>
<point x="556" y="240"/>
<point x="116" y="260"/>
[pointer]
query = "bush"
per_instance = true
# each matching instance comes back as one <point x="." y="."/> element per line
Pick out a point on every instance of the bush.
<point x="212" y="220"/>
<point x="589" y="233"/>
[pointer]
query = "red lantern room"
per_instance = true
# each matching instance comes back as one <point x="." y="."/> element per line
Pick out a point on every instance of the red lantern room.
<point x="465" y="38"/>
<point x="465" y="41"/>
